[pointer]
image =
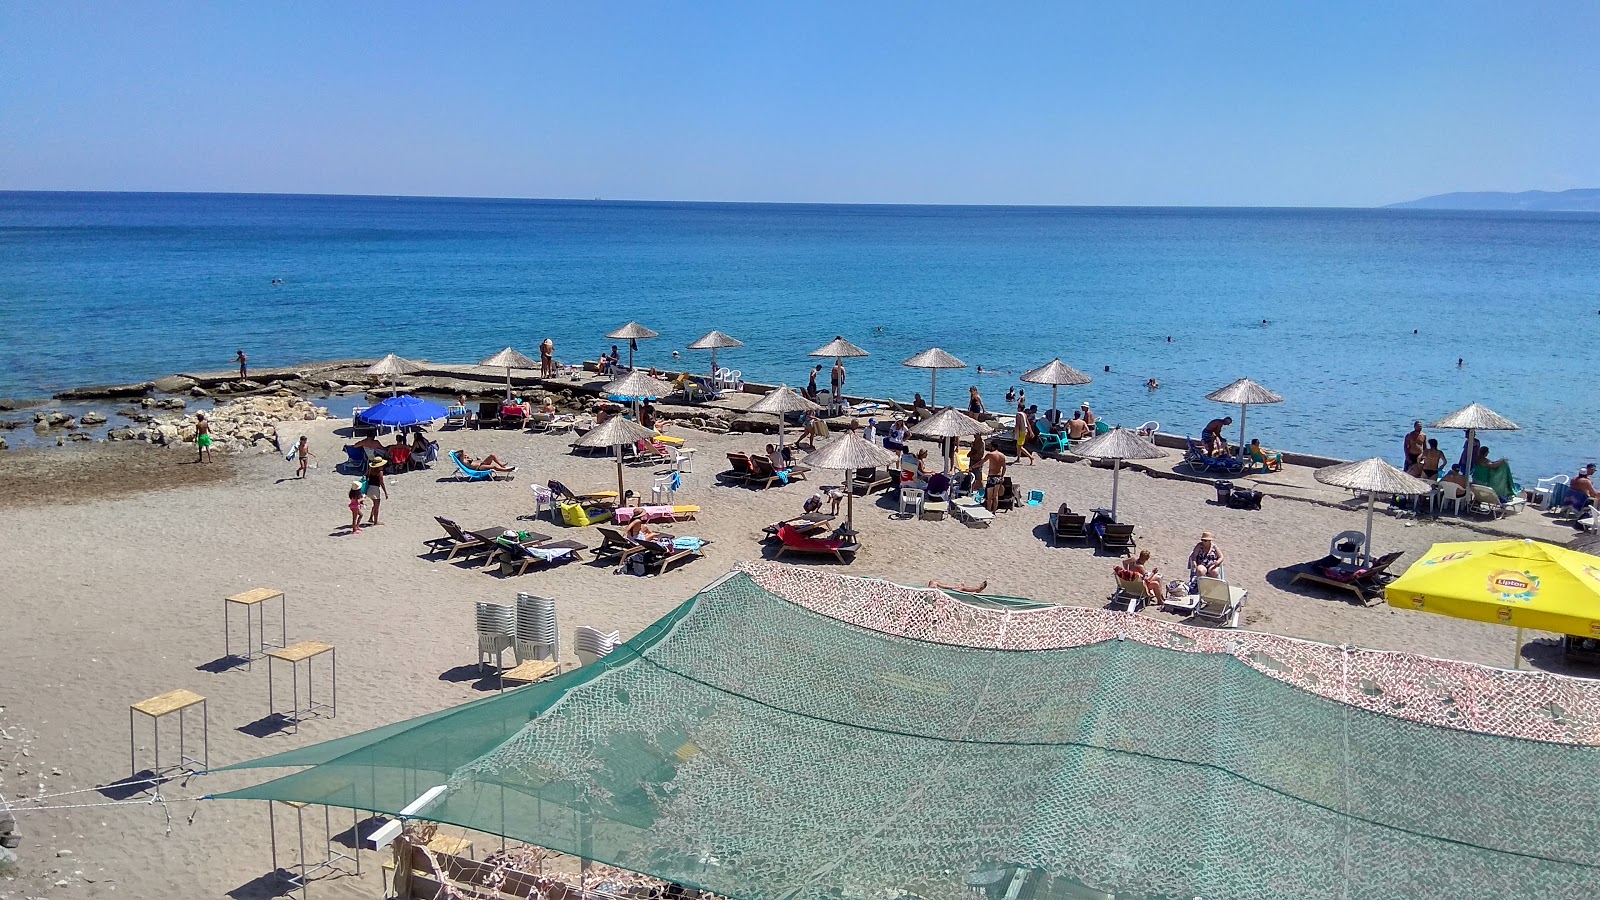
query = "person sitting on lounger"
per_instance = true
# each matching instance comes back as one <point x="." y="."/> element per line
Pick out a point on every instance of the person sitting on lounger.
<point x="914" y="465"/>
<point x="1269" y="460"/>
<point x="896" y="438"/>
<point x="489" y="463"/>
<point x="1138" y="567"/>
<point x="1205" y="560"/>
<point x="638" y="529"/>
<point x="1580" y="492"/>
<point x="1211" y="436"/>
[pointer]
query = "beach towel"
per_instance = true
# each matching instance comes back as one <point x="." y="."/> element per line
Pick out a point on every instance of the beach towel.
<point x="1497" y="479"/>
<point x="687" y="543"/>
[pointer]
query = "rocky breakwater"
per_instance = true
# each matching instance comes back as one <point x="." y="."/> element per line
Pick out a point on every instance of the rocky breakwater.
<point x="248" y="423"/>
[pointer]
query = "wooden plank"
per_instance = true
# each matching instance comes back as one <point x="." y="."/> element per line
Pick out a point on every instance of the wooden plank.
<point x="170" y="702"/>
<point x="299" y="652"/>
<point x="257" y="595"/>
<point x="530" y="671"/>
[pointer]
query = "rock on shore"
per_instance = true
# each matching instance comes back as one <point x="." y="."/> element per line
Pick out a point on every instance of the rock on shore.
<point x="249" y="422"/>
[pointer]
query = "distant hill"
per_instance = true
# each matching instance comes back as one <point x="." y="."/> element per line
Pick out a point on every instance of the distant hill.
<point x="1576" y="200"/>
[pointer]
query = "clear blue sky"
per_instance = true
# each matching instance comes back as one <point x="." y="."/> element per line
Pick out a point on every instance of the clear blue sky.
<point x="1212" y="103"/>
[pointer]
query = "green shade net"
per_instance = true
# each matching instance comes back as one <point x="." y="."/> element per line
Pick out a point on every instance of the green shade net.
<point x="751" y="747"/>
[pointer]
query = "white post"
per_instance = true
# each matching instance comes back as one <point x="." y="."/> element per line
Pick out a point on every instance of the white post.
<point x="1516" y="655"/>
<point x="1244" y="410"/>
<point x="933" y="391"/>
<point x="1367" y="547"/>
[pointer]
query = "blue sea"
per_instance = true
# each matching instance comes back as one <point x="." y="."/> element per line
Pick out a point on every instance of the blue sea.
<point x="1367" y="311"/>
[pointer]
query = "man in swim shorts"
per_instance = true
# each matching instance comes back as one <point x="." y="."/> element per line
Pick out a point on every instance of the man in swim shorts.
<point x="202" y="437"/>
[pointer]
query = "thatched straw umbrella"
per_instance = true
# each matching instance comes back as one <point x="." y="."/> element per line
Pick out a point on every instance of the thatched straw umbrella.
<point x="617" y="432"/>
<point x="1117" y="445"/>
<point x="1375" y="477"/>
<point x="781" y="402"/>
<point x="636" y="385"/>
<point x="390" y="366"/>
<point x="1244" y="393"/>
<point x="1055" y="373"/>
<point x="849" y="452"/>
<point x="633" y="333"/>
<point x="949" y="425"/>
<point x="714" y="341"/>
<point x="1473" y="418"/>
<point x="837" y="349"/>
<point x="934" y="359"/>
<point x="509" y="359"/>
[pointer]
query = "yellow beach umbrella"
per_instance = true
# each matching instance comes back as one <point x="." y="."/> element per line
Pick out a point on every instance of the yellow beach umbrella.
<point x="1521" y="583"/>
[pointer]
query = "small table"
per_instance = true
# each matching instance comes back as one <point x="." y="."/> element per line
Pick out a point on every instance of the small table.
<point x="294" y="655"/>
<point x="529" y="671"/>
<point x="158" y="708"/>
<point x="252" y="600"/>
<point x="334" y="855"/>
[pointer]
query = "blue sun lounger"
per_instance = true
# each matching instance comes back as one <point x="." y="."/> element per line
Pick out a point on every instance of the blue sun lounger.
<point x="468" y="472"/>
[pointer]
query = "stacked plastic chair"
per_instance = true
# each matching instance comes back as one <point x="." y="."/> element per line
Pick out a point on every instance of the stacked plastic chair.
<point x="593" y="644"/>
<point x="537" y="635"/>
<point x="497" y="628"/>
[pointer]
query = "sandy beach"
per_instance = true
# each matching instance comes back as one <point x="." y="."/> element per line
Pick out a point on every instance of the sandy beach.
<point x="120" y="555"/>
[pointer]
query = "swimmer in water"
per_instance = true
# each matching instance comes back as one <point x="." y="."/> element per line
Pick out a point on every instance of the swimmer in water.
<point x="1108" y="368"/>
<point x="1152" y="384"/>
<point x="1460" y="362"/>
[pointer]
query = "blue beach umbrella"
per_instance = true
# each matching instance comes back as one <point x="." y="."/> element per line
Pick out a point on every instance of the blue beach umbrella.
<point x="402" y="412"/>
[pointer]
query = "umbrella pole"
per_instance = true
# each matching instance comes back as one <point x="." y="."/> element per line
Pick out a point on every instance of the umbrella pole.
<point x="1367" y="547"/>
<point x="619" y="474"/>
<point x="933" y="390"/>
<point x="849" y="504"/>
<point x="1055" y="414"/>
<point x="1516" y="655"/>
<point x="1116" y="476"/>
<point x="1244" y="410"/>
<point x="508" y="384"/>
<point x="713" y="381"/>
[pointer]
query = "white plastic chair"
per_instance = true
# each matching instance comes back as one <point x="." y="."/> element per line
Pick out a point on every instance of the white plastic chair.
<point x="1352" y="558"/>
<point x="1546" y="489"/>
<point x="682" y="459"/>
<point x="538" y="636"/>
<point x="736" y="380"/>
<point x="1150" y="428"/>
<point x="497" y="629"/>
<point x="592" y="644"/>
<point x="662" y="489"/>
<point x="911" y="501"/>
<point x="1450" y="493"/>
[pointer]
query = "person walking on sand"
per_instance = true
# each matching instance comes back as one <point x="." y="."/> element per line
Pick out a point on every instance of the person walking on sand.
<point x="377" y="490"/>
<point x="302" y="452"/>
<point x="202" y="437"/>
<point x="241" y="359"/>
<point x="357" y="492"/>
<point x="1023" y="430"/>
<point x="547" y="358"/>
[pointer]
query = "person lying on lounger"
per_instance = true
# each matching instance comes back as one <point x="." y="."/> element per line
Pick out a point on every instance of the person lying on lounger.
<point x="490" y="463"/>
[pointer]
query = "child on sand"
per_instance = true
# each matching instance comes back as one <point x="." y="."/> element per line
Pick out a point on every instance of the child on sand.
<point x="358" y="492"/>
<point x="302" y="452"/>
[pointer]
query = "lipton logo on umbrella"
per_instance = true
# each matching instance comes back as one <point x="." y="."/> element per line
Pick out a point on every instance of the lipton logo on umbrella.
<point x="1594" y="628"/>
<point x="1448" y="557"/>
<point x="1416" y="601"/>
<point x="1592" y="572"/>
<point x="1509" y="585"/>
<point x="1503" y="613"/>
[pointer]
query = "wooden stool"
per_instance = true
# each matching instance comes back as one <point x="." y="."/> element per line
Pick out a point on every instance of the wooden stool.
<point x="159" y="707"/>
<point x="255" y="645"/>
<point x="294" y="655"/>
<point x="528" y="672"/>
<point x="333" y="855"/>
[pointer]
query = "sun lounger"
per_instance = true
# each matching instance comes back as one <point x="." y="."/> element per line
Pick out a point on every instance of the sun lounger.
<point x="1366" y="583"/>
<point x="1131" y="591"/>
<point x="971" y="511"/>
<point x="807" y="525"/>
<point x="516" y="559"/>
<point x="590" y="499"/>
<point x="865" y="481"/>
<point x="662" y="556"/>
<point x="458" y="540"/>
<point x="762" y="470"/>
<point x="456" y="415"/>
<point x="1196" y="459"/>
<point x="1114" y="536"/>
<point x="658" y="513"/>
<point x="470" y="473"/>
<point x="1066" y="525"/>
<point x="488" y="414"/>
<point x="739" y="468"/>
<point x="793" y="540"/>
<point x="509" y="538"/>
<point x="614" y="545"/>
<point x="1220" y="602"/>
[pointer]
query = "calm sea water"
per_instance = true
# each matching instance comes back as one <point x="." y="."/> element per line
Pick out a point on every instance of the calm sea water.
<point x="1369" y="310"/>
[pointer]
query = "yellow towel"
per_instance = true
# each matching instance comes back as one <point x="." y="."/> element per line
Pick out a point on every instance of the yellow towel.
<point x="669" y="440"/>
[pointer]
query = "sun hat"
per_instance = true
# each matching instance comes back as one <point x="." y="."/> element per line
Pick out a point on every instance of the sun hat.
<point x="355" y="485"/>
<point x="377" y="463"/>
<point x="1206" y="536"/>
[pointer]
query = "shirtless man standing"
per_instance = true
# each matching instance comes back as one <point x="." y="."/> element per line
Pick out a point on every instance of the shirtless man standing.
<point x="1416" y="443"/>
<point x="995" y="461"/>
<point x="202" y="437"/>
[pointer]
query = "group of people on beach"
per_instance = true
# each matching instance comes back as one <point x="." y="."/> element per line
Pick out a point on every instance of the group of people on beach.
<point x="1205" y="561"/>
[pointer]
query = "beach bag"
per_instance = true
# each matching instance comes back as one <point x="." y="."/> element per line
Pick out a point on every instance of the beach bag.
<point x="636" y="565"/>
<point x="1243" y="499"/>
